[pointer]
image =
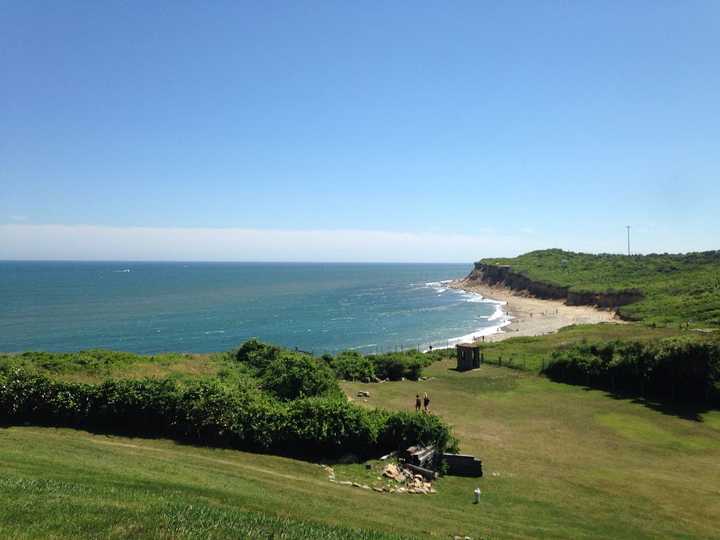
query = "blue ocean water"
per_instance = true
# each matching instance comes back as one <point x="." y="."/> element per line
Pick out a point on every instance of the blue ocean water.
<point x="201" y="307"/>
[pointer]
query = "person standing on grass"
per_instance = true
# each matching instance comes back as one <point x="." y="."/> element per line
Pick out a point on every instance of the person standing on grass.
<point x="426" y="403"/>
<point x="417" y="403"/>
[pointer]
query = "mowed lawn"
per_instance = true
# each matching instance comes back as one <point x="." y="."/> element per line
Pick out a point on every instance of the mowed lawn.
<point x="560" y="461"/>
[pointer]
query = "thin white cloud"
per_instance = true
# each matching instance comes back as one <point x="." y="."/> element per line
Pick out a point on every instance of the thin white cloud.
<point x="89" y="242"/>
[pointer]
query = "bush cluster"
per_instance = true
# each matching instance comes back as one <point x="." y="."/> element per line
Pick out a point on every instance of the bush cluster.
<point x="209" y="413"/>
<point x="672" y="369"/>
<point x="287" y="374"/>
<point x="353" y="366"/>
<point x="274" y="363"/>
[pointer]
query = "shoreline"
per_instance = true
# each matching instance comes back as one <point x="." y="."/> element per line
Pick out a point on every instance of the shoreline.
<point x="530" y="316"/>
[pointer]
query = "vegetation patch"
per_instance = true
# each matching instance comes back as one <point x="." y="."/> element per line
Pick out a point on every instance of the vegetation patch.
<point x="675" y="288"/>
<point x="264" y="399"/>
<point x="674" y="369"/>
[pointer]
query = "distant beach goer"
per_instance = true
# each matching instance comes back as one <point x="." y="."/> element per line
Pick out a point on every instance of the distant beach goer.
<point x="418" y="403"/>
<point x="426" y="403"/>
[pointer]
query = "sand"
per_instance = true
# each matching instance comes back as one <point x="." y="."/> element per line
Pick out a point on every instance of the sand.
<point x="534" y="316"/>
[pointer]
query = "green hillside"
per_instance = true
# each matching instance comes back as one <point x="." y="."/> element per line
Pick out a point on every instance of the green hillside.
<point x="676" y="288"/>
<point x="560" y="461"/>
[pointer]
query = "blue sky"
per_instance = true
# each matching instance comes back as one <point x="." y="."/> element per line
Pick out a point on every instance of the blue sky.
<point x="476" y="129"/>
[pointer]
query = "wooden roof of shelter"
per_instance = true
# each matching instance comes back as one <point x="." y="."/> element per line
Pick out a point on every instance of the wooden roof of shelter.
<point x="468" y="345"/>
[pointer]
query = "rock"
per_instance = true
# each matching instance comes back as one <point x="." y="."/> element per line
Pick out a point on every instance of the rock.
<point x="363" y="393"/>
<point x="379" y="490"/>
<point x="356" y="484"/>
<point x="364" y="486"/>
<point x="345" y="483"/>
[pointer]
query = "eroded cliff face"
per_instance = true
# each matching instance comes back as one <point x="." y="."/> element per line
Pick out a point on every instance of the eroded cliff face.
<point x="491" y="274"/>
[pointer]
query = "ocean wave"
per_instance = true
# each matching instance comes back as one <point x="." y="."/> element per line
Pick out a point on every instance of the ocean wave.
<point x="499" y="315"/>
<point x="438" y="283"/>
<point x="214" y="332"/>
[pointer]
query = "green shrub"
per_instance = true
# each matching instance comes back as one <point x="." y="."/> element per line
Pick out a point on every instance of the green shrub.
<point x="210" y="413"/>
<point x="257" y="354"/>
<point x="353" y="366"/>
<point x="295" y="375"/>
<point x="330" y="426"/>
<point x="403" y="429"/>
<point x="395" y="366"/>
<point x="670" y="369"/>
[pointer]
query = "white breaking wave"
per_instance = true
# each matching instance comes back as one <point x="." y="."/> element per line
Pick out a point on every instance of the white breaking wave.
<point x="499" y="316"/>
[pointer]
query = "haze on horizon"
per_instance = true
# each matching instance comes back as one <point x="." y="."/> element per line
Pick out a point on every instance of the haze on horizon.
<point x="373" y="132"/>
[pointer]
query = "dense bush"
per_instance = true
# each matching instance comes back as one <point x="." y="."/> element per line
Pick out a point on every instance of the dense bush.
<point x="403" y="429"/>
<point x="395" y="366"/>
<point x="295" y="375"/>
<point x="213" y="414"/>
<point x="257" y="354"/>
<point x="347" y="365"/>
<point x="673" y="369"/>
<point x="353" y="366"/>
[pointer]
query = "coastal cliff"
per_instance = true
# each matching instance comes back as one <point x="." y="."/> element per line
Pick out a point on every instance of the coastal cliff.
<point x="504" y="275"/>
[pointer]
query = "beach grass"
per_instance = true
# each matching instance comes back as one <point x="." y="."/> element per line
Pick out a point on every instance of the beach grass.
<point x="559" y="460"/>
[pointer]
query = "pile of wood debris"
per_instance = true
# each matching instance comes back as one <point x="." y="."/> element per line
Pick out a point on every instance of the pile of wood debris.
<point x="408" y="482"/>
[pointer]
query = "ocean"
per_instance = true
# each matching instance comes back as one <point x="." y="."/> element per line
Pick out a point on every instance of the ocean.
<point x="148" y="307"/>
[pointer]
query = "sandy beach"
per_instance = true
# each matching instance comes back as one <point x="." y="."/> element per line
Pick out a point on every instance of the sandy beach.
<point x="534" y="316"/>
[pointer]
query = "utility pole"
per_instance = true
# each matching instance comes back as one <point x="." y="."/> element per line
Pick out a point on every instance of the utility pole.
<point x="628" y="231"/>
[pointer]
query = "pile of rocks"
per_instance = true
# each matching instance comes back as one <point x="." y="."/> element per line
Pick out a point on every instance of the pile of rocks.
<point x="403" y="481"/>
<point x="409" y="482"/>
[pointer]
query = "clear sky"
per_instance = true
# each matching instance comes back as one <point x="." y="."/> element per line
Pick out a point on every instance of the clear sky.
<point x="438" y="131"/>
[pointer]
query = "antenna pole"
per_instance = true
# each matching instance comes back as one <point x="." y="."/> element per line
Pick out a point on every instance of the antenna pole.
<point x="628" y="234"/>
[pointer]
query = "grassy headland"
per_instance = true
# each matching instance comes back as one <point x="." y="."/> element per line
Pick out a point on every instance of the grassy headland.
<point x="674" y="288"/>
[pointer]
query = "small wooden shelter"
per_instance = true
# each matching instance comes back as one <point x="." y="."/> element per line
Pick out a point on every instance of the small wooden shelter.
<point x="468" y="356"/>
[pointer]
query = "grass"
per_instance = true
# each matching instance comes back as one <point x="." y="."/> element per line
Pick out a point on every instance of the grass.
<point x="560" y="461"/>
<point x="677" y="288"/>
<point x="97" y="365"/>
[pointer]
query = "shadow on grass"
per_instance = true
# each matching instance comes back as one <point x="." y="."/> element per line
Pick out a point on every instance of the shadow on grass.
<point x="687" y="410"/>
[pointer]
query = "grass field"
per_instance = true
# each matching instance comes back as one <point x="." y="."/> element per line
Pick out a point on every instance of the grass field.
<point x="677" y="288"/>
<point x="560" y="461"/>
